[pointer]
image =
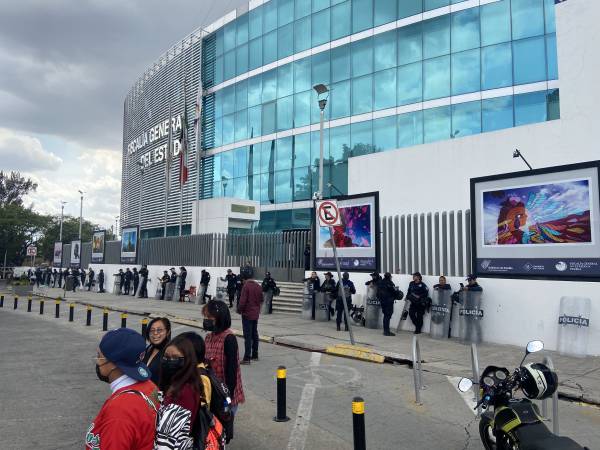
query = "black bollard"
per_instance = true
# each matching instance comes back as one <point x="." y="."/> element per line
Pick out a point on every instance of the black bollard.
<point x="42" y="306"/>
<point x="57" y="308"/>
<point x="281" y="397"/>
<point x="29" y="301"/>
<point x="16" y="302"/>
<point x="105" y="320"/>
<point x="144" y="326"/>
<point x="71" y="311"/>
<point x="88" y="319"/>
<point x="358" y="423"/>
<point x="123" y="320"/>
<point x="1" y="301"/>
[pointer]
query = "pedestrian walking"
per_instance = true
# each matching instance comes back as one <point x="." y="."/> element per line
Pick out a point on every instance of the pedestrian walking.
<point x="328" y="288"/>
<point x="127" y="280"/>
<point x="249" y="307"/>
<point x="101" y="281"/>
<point x="204" y="282"/>
<point x="386" y="293"/>
<point x="222" y="354"/>
<point x="127" y="420"/>
<point x="417" y="294"/>
<point x="231" y="279"/>
<point x="182" y="277"/>
<point x="144" y="280"/>
<point x="158" y="335"/>
<point x="349" y="291"/>
<point x="136" y="281"/>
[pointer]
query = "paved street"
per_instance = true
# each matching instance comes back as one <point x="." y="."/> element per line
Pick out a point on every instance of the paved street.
<point x="50" y="394"/>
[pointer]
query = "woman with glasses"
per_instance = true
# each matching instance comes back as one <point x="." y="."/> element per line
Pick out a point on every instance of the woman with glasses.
<point x="158" y="334"/>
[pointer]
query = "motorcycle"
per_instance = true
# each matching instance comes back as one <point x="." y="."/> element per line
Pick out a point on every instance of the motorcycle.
<point x="510" y="423"/>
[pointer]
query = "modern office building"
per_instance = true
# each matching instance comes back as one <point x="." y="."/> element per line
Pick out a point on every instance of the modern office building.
<point x="406" y="78"/>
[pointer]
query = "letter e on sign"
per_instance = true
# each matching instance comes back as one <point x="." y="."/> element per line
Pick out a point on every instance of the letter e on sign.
<point x="328" y="213"/>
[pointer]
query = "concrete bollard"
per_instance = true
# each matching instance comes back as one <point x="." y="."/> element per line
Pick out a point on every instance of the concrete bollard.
<point x="29" y="302"/>
<point x="123" y="320"/>
<point x="281" y="395"/>
<point x="1" y="301"/>
<point x="105" y="320"/>
<point x="42" y="306"/>
<point x="16" y="302"/>
<point x="144" y="326"/>
<point x="57" y="308"/>
<point x="71" y="311"/>
<point x="88" y="318"/>
<point x="358" y="423"/>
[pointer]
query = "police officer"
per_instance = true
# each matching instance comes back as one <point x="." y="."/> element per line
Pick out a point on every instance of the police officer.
<point x="144" y="279"/>
<point x="417" y="295"/>
<point x="54" y="276"/>
<point x="136" y="280"/>
<point x="268" y="287"/>
<point x="472" y="284"/>
<point x="182" y="277"/>
<point x="65" y="274"/>
<point x="349" y="290"/>
<point x="38" y="276"/>
<point x="375" y="279"/>
<point x="231" y="279"/>
<point x="386" y="293"/>
<point x="204" y="282"/>
<point x="60" y="278"/>
<point x="127" y="279"/>
<point x="101" y="281"/>
<point x="82" y="276"/>
<point x="329" y="289"/>
<point x="75" y="275"/>
<point x="121" y="276"/>
<point x="442" y="284"/>
<point x="90" y="278"/>
<point x="163" y="282"/>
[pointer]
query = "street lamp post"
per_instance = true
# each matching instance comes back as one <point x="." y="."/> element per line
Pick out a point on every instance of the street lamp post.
<point x="80" y="213"/>
<point x="321" y="90"/>
<point x="62" y="215"/>
<point x="517" y="154"/>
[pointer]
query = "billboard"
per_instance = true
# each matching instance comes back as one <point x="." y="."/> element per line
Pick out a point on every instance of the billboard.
<point x="57" y="258"/>
<point x="129" y="245"/>
<point x="538" y="224"/>
<point x="75" y="253"/>
<point x="98" y="246"/>
<point x="356" y="239"/>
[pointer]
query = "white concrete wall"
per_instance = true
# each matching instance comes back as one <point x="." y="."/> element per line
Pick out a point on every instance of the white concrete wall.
<point x="435" y="177"/>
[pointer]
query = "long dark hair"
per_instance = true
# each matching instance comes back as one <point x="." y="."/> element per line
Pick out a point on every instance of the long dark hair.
<point x="188" y="374"/>
<point x="167" y="324"/>
<point x="198" y="343"/>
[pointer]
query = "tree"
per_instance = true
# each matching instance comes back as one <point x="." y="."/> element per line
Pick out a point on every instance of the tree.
<point x="50" y="234"/>
<point x="13" y="188"/>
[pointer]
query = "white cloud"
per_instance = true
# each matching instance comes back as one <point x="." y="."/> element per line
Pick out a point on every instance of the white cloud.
<point x="25" y="153"/>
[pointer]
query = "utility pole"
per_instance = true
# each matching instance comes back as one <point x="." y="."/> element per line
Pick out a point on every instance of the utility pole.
<point x="321" y="89"/>
<point x="80" y="213"/>
<point x="62" y="215"/>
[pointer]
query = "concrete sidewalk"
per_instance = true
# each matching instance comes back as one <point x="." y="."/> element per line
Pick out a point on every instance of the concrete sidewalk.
<point x="579" y="377"/>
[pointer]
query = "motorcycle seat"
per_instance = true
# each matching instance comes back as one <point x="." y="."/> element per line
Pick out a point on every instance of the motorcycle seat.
<point x="538" y="437"/>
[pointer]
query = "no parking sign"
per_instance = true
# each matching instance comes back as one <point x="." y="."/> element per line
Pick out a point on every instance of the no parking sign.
<point x="328" y="213"/>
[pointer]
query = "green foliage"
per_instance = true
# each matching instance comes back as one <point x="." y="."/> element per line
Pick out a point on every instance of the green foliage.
<point x="51" y="231"/>
<point x="13" y="188"/>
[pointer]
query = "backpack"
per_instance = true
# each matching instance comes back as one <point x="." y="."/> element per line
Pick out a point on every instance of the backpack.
<point x="220" y="399"/>
<point x="208" y="431"/>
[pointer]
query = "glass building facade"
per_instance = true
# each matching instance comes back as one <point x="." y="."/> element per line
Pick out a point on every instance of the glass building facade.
<point x="400" y="73"/>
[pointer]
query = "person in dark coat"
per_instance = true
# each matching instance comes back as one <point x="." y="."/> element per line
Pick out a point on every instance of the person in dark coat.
<point x="136" y="280"/>
<point x="65" y="274"/>
<point x="442" y="285"/>
<point x="48" y="276"/>
<point x="75" y="275"/>
<point x="91" y="275"/>
<point x="144" y="279"/>
<point x="349" y="290"/>
<point x="417" y="295"/>
<point x="307" y="257"/>
<point x="375" y="279"/>
<point x="127" y="280"/>
<point x="386" y="293"/>
<point x="60" y="278"/>
<point x="54" y="276"/>
<point x="82" y="276"/>
<point x="329" y="289"/>
<point x="314" y="281"/>
<point x="231" y="279"/>
<point x="121" y="276"/>
<point x="38" y="276"/>
<point x="163" y="282"/>
<point x="182" y="277"/>
<point x="269" y="285"/>
<point x="101" y="281"/>
<point x="204" y="282"/>
<point x="249" y="307"/>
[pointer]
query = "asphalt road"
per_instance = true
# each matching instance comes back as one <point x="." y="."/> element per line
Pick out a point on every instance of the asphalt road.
<point x="50" y="395"/>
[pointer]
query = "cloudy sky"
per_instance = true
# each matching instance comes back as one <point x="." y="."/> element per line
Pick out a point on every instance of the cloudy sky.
<point x="66" y="66"/>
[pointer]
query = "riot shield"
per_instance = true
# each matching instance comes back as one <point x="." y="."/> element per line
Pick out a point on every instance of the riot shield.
<point x="221" y="293"/>
<point x="170" y="291"/>
<point x="307" y="300"/>
<point x="321" y="307"/>
<point x="116" y="284"/>
<point x="574" y="326"/>
<point x="373" y="316"/>
<point x="265" y="308"/>
<point x="471" y="317"/>
<point x="441" y="306"/>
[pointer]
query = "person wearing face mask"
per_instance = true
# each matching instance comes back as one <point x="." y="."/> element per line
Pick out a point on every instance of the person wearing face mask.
<point x="127" y="420"/>
<point x="158" y="335"/>
<point x="222" y="354"/>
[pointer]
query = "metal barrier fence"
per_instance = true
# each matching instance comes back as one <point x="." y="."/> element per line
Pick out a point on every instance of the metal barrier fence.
<point x="433" y="243"/>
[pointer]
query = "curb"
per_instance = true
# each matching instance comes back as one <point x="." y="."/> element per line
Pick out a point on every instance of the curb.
<point x="355" y="352"/>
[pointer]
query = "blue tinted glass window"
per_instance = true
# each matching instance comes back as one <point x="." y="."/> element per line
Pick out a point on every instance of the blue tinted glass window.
<point x="466" y="72"/>
<point x="301" y="182"/>
<point x="315" y="147"/>
<point x="240" y="162"/>
<point x="242" y="30"/>
<point x="385" y="133"/>
<point x="318" y="5"/>
<point x="219" y="103"/>
<point x="229" y="37"/>
<point x="549" y="16"/>
<point x="301" y="34"/>
<point x="302" y="75"/>
<point x="320" y="68"/>
<point x="241" y="95"/>
<point x="270" y="47"/>
<point x="285" y="80"/>
<point x="255" y="23"/>
<point x="217" y="167"/>
<point x="496" y="66"/>
<point x="219" y="42"/>
<point x="410" y="83"/>
<point x="362" y="15"/>
<point x="433" y="4"/>
<point x="255" y="121"/>
<point x="436" y="37"/>
<point x="410" y="129"/>
<point x="530" y="108"/>
<point x="302" y="8"/>
<point x="529" y="60"/>
<point x="302" y="150"/>
<point x="527" y="18"/>
<point x="385" y="50"/>
<point x="466" y="119"/>
<point x="255" y="90"/>
<point x="240" y="188"/>
<point x="436" y="78"/>
<point x="497" y="113"/>
<point x="339" y="100"/>
<point x="267" y="190"/>
<point x="269" y="16"/>
<point x="219" y="70"/>
<point x="228" y="99"/>
<point x="269" y="118"/>
<point x="362" y="94"/>
<point x="320" y="27"/>
<point x="227" y="165"/>
<point x="285" y="11"/>
<point x="255" y="53"/>
<point x="283" y="189"/>
<point x="241" y="56"/>
<point x="436" y="124"/>
<point x="218" y="132"/>
<point x="339" y="179"/>
<point x="285" y="113"/>
<point x="340" y="63"/>
<point x="302" y="109"/>
<point x="267" y="156"/>
<point x="341" y="20"/>
<point x="385" y="12"/>
<point x="285" y="41"/>
<point x="361" y="138"/>
<point x="551" y="57"/>
<point x="495" y="23"/>
<point x="229" y="65"/>
<point x="254" y="188"/>
<point x="410" y="44"/>
<point x="465" y="30"/>
<point x="407" y="8"/>
<point x="362" y="57"/>
<point x="553" y="104"/>
<point x="385" y="89"/>
<point x="283" y="153"/>
<point x="228" y="128"/>
<point x="339" y="143"/>
<point x="269" y="88"/>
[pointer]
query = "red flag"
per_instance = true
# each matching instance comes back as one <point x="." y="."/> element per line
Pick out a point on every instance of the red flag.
<point x="183" y="151"/>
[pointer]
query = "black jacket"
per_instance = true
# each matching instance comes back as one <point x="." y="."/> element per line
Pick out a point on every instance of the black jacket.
<point x="417" y="294"/>
<point x="386" y="291"/>
<point x="231" y="281"/>
<point x="205" y="278"/>
<point x="268" y="284"/>
<point x="329" y="287"/>
<point x="316" y="282"/>
<point x="100" y="277"/>
<point x="136" y="277"/>
<point x="128" y="276"/>
<point x="445" y="287"/>
<point x="143" y="272"/>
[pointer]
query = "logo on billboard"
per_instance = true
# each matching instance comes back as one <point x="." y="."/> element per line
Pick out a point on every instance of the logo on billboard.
<point x="485" y="264"/>
<point x="577" y="321"/>
<point x="561" y="266"/>
<point x="528" y="267"/>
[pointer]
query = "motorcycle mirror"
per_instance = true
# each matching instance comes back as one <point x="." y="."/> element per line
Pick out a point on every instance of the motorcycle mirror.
<point x="535" y="346"/>
<point x="464" y="384"/>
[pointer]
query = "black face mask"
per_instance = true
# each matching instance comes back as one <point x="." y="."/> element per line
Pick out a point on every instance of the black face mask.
<point x="208" y="324"/>
<point x="170" y="367"/>
<point x="101" y="377"/>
